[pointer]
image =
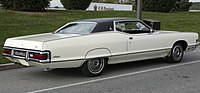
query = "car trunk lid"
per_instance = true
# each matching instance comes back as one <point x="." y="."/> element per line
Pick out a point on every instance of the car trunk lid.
<point x="35" y="42"/>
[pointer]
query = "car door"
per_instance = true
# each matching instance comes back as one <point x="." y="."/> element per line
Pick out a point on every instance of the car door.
<point x="142" y="43"/>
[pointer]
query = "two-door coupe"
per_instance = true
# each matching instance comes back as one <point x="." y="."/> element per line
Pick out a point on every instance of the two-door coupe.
<point x="92" y="44"/>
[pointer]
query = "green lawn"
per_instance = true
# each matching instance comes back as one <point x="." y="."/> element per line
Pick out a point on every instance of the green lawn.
<point x="25" y="23"/>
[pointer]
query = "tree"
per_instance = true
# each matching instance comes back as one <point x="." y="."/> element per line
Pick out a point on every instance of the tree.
<point x="158" y="5"/>
<point x="76" y="4"/>
<point x="182" y="5"/>
<point x="134" y="4"/>
<point x="25" y="5"/>
<point x="166" y="5"/>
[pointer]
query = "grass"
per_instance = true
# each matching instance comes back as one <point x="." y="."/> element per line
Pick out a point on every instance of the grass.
<point x="14" y="23"/>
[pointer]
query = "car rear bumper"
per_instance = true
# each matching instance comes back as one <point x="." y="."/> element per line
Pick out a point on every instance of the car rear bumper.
<point x="64" y="64"/>
<point x="198" y="44"/>
<point x="192" y="47"/>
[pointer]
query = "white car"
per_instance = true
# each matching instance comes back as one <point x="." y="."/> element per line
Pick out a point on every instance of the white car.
<point x="92" y="44"/>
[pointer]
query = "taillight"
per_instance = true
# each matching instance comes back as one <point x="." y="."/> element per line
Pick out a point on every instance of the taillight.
<point x="7" y="51"/>
<point x="27" y="55"/>
<point x="38" y="56"/>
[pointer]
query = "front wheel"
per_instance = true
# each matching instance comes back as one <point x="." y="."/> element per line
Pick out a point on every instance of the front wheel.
<point x="176" y="54"/>
<point x="93" y="67"/>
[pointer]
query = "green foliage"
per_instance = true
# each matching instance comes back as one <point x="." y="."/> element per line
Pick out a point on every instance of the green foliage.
<point x="25" y="5"/>
<point x="195" y="6"/>
<point x="106" y="1"/>
<point x="166" y="5"/>
<point x="76" y="4"/>
<point x="182" y="5"/>
<point x="158" y="5"/>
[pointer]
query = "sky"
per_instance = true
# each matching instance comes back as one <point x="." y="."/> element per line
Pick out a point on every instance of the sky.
<point x="57" y="3"/>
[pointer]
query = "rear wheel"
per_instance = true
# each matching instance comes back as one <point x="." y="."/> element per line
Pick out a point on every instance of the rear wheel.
<point x="176" y="54"/>
<point x="93" y="67"/>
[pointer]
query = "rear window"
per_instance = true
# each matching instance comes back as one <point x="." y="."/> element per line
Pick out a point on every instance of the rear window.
<point x="77" y="28"/>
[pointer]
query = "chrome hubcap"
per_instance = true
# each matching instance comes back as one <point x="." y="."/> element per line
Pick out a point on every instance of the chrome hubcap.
<point x="95" y="66"/>
<point x="177" y="53"/>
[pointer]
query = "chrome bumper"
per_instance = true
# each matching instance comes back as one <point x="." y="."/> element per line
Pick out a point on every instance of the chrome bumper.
<point x="198" y="44"/>
<point x="192" y="47"/>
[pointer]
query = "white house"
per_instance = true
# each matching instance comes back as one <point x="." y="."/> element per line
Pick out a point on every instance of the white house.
<point x="56" y="5"/>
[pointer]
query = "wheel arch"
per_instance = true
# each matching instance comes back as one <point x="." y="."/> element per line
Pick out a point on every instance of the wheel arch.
<point x="98" y="53"/>
<point x="183" y="43"/>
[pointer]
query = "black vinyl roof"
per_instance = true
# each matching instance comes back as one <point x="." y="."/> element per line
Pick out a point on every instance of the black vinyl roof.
<point x="105" y="24"/>
<point x="100" y="20"/>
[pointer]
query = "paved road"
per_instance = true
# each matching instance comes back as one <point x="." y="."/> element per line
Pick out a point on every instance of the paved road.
<point x="150" y="76"/>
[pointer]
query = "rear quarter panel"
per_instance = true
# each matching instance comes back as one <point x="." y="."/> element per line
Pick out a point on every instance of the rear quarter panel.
<point x="171" y="37"/>
<point x="101" y="44"/>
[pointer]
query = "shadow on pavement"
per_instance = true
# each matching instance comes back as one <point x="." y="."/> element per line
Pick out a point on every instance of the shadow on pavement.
<point x="75" y="72"/>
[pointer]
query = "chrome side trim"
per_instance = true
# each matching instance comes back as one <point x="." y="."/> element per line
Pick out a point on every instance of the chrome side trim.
<point x="142" y="52"/>
<point x="113" y="55"/>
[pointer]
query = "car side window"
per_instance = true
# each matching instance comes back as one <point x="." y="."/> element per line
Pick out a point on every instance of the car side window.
<point x="131" y="27"/>
<point x="77" y="28"/>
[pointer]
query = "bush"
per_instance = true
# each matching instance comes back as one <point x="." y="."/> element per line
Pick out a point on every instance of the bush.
<point x="195" y="6"/>
<point x="166" y="5"/>
<point x="76" y="4"/>
<point x="25" y="5"/>
<point x="182" y="5"/>
<point x="106" y="1"/>
<point x="158" y="5"/>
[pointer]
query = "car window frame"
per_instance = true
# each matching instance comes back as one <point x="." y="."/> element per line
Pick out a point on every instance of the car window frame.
<point x="114" y="22"/>
<point x="56" y="32"/>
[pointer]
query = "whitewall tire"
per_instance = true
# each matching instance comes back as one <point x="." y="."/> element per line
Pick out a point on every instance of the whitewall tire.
<point x="94" y="67"/>
<point x="176" y="54"/>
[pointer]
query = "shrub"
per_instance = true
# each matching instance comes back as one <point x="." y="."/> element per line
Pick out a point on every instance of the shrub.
<point x="166" y="5"/>
<point x="195" y="6"/>
<point x="25" y="5"/>
<point x="158" y="5"/>
<point x="182" y="5"/>
<point x="76" y="4"/>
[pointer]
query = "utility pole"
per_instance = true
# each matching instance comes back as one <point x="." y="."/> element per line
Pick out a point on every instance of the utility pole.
<point x="139" y="9"/>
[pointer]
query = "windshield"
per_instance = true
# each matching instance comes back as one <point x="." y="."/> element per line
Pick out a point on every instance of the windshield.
<point x="77" y="28"/>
